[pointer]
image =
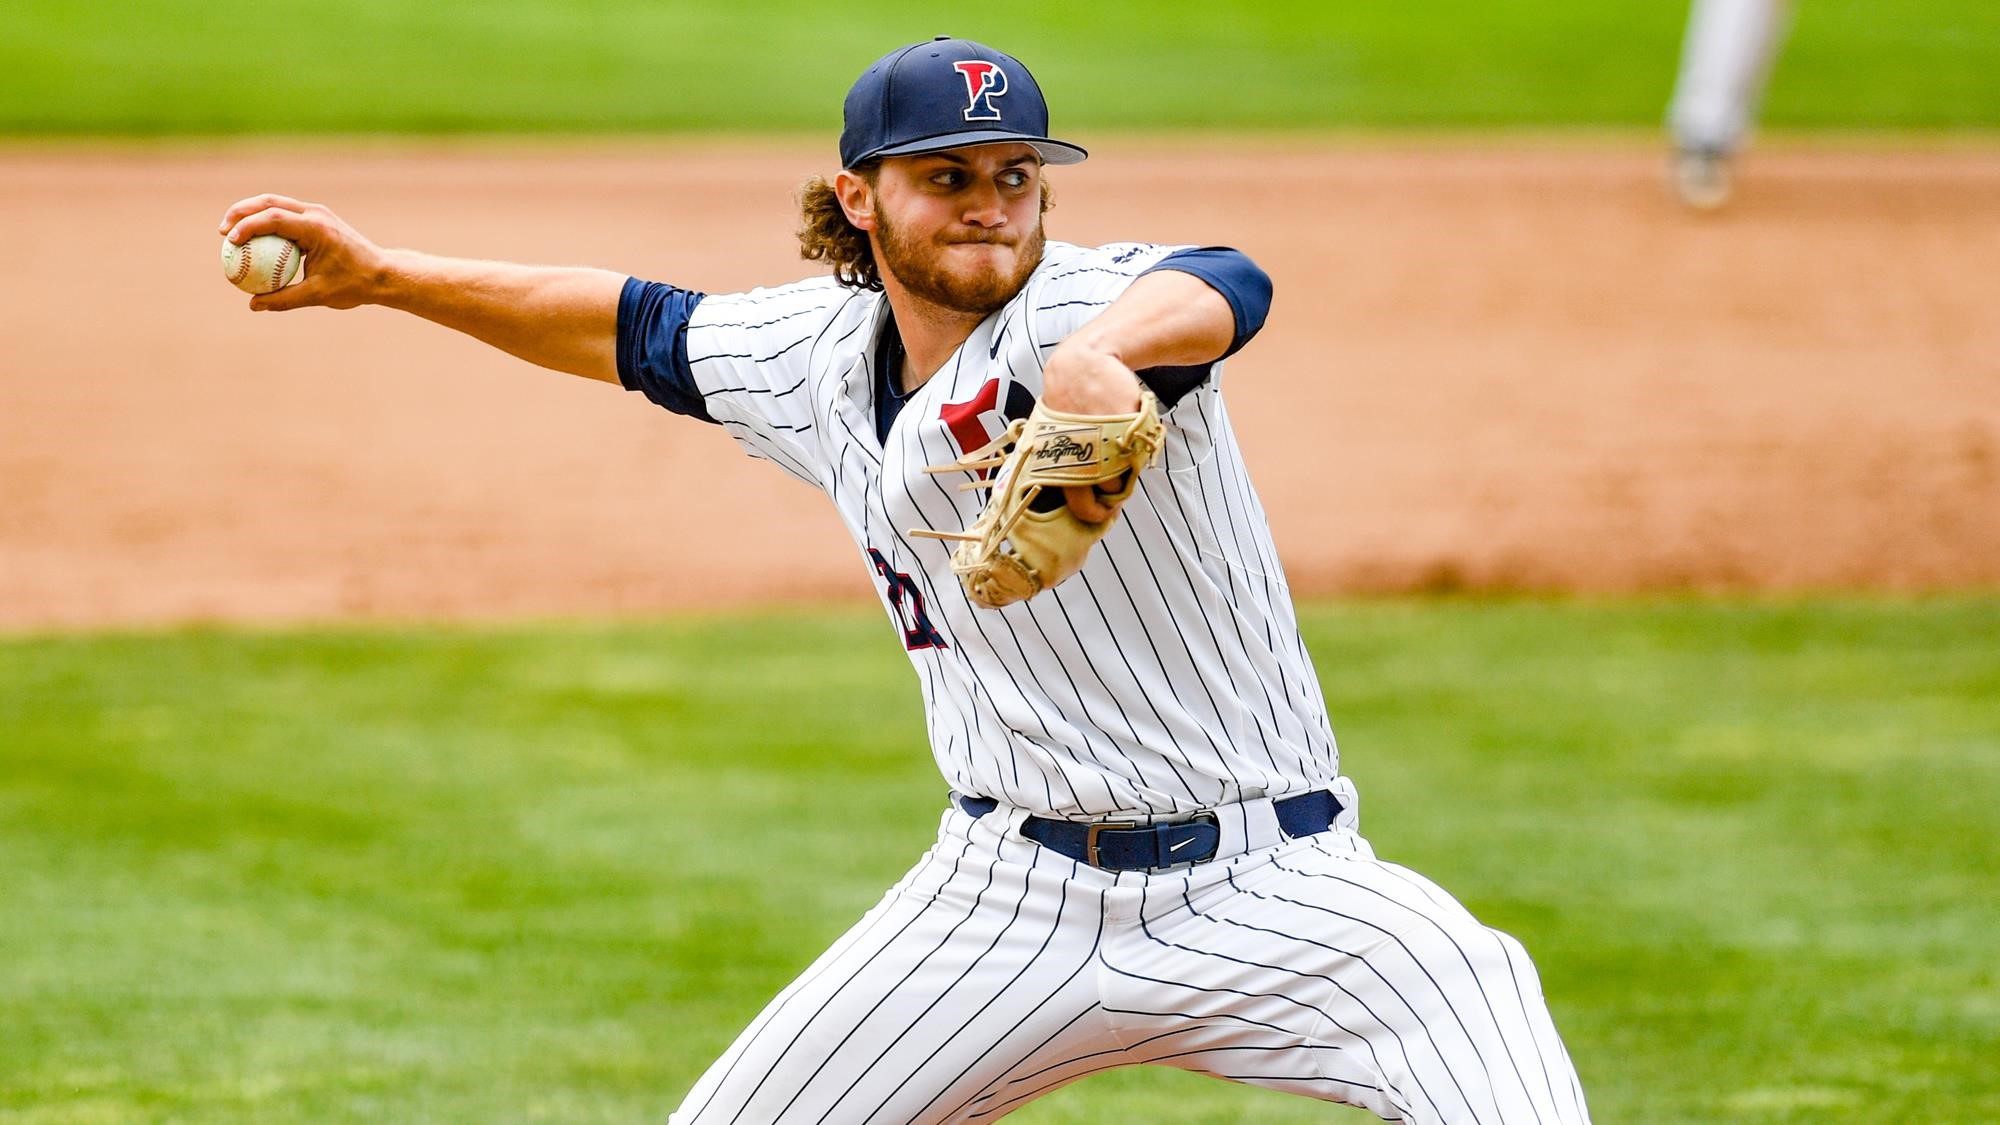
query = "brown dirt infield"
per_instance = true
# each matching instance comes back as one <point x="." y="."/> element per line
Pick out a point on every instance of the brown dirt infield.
<point x="1489" y="366"/>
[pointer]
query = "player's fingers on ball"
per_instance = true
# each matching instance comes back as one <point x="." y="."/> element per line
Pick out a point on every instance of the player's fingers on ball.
<point x="294" y="225"/>
<point x="290" y="297"/>
<point x="254" y="204"/>
<point x="1086" y="504"/>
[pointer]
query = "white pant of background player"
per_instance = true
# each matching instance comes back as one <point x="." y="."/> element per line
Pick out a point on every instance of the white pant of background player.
<point x="1725" y="60"/>
<point x="999" y="970"/>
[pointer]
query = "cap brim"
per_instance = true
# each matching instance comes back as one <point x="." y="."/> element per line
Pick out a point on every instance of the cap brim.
<point x="1052" y="151"/>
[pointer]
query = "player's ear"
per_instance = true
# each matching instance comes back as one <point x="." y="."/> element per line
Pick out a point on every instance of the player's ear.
<point x="857" y="198"/>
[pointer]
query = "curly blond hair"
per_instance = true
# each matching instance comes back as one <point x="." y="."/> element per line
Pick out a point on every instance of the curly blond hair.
<point x="825" y="235"/>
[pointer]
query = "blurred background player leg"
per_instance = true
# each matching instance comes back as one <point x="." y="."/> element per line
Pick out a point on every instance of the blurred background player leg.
<point x="1725" y="59"/>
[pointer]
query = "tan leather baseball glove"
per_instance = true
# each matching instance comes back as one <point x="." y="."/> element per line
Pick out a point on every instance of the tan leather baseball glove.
<point x="1027" y="539"/>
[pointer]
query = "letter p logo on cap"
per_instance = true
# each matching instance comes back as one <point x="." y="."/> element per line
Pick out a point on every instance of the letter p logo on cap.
<point x="984" y="81"/>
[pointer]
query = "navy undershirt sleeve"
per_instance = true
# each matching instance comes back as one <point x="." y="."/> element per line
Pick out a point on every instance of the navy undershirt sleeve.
<point x="1241" y="282"/>
<point x="652" y="345"/>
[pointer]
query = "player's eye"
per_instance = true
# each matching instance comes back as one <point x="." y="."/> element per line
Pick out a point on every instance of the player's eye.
<point x="1014" y="178"/>
<point x="949" y="178"/>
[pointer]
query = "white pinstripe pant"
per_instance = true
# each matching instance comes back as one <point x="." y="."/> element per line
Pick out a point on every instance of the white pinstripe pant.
<point x="997" y="971"/>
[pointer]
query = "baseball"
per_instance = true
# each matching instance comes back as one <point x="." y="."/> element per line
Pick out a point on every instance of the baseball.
<point x="262" y="265"/>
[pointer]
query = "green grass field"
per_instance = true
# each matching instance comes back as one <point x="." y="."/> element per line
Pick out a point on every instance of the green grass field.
<point x="544" y="874"/>
<point x="228" y="66"/>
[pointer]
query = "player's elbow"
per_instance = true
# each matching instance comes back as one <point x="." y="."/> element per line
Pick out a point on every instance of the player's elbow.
<point x="1247" y="289"/>
<point x="1256" y="301"/>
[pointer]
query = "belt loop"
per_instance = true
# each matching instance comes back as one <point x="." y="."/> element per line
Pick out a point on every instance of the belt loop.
<point x="1257" y="821"/>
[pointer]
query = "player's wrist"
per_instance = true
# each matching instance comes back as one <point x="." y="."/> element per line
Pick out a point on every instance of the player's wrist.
<point x="1084" y="376"/>
<point x="398" y="279"/>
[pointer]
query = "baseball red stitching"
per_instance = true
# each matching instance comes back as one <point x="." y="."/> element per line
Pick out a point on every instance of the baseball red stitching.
<point x="277" y="281"/>
<point x="242" y="264"/>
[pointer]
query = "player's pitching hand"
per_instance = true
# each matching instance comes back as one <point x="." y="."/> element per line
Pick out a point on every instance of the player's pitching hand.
<point x="343" y="269"/>
<point x="1084" y="378"/>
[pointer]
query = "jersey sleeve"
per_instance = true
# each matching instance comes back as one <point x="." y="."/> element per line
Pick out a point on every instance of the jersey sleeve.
<point x="1079" y="288"/>
<point x="741" y="361"/>
<point x="652" y="345"/>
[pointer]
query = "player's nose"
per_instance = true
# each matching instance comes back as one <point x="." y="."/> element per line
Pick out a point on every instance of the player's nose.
<point x="984" y="207"/>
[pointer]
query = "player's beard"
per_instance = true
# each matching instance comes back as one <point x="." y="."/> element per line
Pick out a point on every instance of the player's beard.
<point x="920" y="267"/>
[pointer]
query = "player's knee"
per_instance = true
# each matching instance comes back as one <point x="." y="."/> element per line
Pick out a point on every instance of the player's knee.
<point x="1481" y="956"/>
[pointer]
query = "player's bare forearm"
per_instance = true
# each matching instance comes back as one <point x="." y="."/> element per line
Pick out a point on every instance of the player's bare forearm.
<point x="1164" y="319"/>
<point x="560" y="317"/>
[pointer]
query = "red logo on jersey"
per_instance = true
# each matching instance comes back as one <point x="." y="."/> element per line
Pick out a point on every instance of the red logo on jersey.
<point x="984" y="81"/>
<point x="967" y="420"/>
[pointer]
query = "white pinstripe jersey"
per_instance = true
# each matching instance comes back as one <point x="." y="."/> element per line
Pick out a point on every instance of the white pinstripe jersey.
<point x="1168" y="675"/>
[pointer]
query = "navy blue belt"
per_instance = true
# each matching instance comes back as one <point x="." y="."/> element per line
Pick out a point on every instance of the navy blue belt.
<point x="1127" y="845"/>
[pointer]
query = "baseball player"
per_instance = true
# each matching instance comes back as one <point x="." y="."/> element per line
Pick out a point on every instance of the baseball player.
<point x="1725" y="59"/>
<point x="1149" y="854"/>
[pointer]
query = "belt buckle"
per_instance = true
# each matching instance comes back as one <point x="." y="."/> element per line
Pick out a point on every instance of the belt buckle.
<point x="1209" y="819"/>
<point x="1091" y="833"/>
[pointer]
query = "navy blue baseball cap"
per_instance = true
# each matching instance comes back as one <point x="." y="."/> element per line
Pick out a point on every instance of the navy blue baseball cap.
<point x="947" y="93"/>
